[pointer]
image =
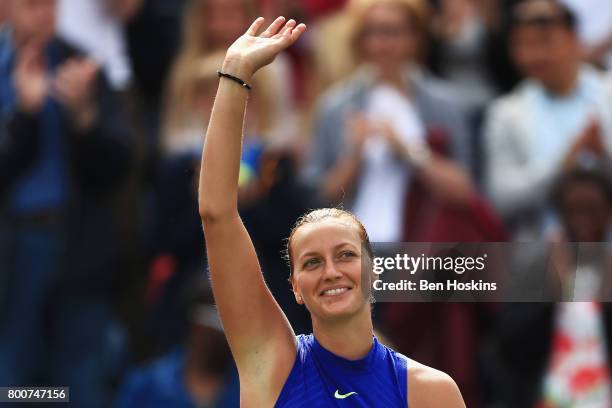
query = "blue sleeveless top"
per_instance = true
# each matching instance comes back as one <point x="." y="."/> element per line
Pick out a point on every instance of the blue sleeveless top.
<point x="322" y="379"/>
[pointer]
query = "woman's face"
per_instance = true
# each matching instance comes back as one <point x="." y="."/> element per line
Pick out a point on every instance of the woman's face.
<point x="388" y="38"/>
<point x="327" y="268"/>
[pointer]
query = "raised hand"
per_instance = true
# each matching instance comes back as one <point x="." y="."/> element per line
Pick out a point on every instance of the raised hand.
<point x="251" y="52"/>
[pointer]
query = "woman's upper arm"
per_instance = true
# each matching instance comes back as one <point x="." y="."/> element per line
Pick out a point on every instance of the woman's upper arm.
<point x="259" y="335"/>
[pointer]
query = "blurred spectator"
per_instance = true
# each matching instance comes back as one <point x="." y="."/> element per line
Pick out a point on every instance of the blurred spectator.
<point x="595" y="29"/>
<point x="63" y="139"/>
<point x="561" y="114"/>
<point x="200" y="373"/>
<point x="371" y="130"/>
<point x="465" y="51"/>
<point x="97" y="27"/>
<point x="462" y="31"/>
<point x="153" y="36"/>
<point x="557" y="354"/>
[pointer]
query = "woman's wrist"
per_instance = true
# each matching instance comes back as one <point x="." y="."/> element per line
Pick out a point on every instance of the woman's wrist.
<point x="238" y="68"/>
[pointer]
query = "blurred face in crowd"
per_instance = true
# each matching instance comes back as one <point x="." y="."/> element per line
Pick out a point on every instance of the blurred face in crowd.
<point x="586" y="211"/>
<point x="224" y="21"/>
<point x="33" y="21"/>
<point x="543" y="46"/>
<point x="326" y="258"/>
<point x="387" y="37"/>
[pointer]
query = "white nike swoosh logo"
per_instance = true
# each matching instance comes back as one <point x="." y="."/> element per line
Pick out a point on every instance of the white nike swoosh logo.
<point x="343" y="396"/>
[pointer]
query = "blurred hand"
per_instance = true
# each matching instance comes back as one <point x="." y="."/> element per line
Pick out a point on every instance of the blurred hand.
<point x="386" y="130"/>
<point x="251" y="52"/>
<point x="589" y="140"/>
<point x="358" y="127"/>
<point x="30" y="79"/>
<point x="74" y="87"/>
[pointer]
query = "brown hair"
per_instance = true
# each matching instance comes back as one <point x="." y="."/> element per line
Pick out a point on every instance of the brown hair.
<point x="319" y="215"/>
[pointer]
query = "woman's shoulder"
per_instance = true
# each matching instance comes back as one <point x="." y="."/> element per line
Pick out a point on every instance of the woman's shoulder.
<point x="435" y="388"/>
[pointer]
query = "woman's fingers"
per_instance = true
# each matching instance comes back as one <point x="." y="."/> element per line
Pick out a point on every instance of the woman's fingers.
<point x="255" y="26"/>
<point x="277" y="30"/>
<point x="297" y="32"/>
<point x="287" y="28"/>
<point x="274" y="27"/>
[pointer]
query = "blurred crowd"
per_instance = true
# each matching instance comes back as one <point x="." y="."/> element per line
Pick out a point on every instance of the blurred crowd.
<point x="431" y="120"/>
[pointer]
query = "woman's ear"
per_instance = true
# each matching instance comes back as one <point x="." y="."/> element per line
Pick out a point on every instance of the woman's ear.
<point x="298" y="298"/>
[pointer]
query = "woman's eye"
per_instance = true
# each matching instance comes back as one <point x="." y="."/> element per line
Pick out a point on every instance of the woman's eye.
<point x="347" y="254"/>
<point x="311" y="262"/>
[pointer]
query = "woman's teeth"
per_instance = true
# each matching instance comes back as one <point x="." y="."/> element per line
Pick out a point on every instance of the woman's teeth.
<point x="334" y="292"/>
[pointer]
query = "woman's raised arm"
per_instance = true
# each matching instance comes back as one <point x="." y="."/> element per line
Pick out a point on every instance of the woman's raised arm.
<point x="261" y="339"/>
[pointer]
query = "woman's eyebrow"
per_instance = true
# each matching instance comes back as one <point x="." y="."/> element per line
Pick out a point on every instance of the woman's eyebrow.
<point x="314" y="253"/>
<point x="344" y="244"/>
<point x="307" y="254"/>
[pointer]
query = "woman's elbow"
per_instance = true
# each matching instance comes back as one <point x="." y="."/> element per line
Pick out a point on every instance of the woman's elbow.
<point x="210" y="214"/>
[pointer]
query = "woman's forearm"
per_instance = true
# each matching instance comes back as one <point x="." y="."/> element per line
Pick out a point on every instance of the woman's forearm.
<point x="218" y="191"/>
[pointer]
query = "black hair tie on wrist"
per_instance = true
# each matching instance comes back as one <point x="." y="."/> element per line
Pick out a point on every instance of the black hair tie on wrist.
<point x="234" y="78"/>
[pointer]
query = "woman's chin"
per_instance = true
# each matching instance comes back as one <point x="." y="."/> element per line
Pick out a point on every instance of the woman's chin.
<point x="334" y="309"/>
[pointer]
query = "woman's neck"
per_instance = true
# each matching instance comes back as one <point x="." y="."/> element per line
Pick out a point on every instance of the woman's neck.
<point x="350" y="339"/>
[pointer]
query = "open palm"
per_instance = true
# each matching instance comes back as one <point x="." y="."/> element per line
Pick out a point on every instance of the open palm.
<point x="254" y="51"/>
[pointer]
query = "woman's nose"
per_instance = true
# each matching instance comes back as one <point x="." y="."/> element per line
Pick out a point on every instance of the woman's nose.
<point x="330" y="271"/>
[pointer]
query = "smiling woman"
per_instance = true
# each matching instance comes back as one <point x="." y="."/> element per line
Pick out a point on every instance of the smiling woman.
<point x="342" y="359"/>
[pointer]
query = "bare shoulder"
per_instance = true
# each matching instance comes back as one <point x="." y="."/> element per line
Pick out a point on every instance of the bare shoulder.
<point x="431" y="388"/>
